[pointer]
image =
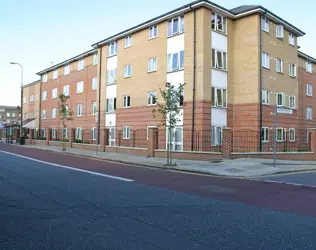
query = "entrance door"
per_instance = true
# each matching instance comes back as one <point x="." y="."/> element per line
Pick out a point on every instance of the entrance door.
<point x="112" y="132"/>
<point x="176" y="138"/>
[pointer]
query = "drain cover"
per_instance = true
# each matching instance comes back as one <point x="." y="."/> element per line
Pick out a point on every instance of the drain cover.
<point x="216" y="161"/>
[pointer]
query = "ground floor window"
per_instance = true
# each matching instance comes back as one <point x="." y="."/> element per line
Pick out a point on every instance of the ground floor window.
<point x="216" y="136"/>
<point x="292" y="134"/>
<point x="54" y="133"/>
<point x="279" y="136"/>
<point x="78" y="134"/>
<point x="93" y="133"/>
<point x="264" y="134"/>
<point x="65" y="133"/>
<point x="176" y="138"/>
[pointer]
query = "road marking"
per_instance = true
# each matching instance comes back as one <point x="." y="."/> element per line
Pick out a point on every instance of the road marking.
<point x="281" y="182"/>
<point x="71" y="168"/>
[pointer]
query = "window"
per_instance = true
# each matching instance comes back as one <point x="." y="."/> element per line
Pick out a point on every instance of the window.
<point x="78" y="135"/>
<point x="66" y="90"/>
<point x="93" y="133"/>
<point x="24" y="99"/>
<point x="219" y="97"/>
<point x="111" y="77"/>
<point x="265" y="24"/>
<point x="45" y="78"/>
<point x="65" y="133"/>
<point x="279" y="134"/>
<point x="175" y="61"/>
<point x="13" y="115"/>
<point x="94" y="108"/>
<point x="110" y="105"/>
<point x="264" y="134"/>
<point x="265" y="60"/>
<point x="54" y="133"/>
<point x="80" y="64"/>
<point x="219" y="59"/>
<point x="44" y="95"/>
<point x="279" y="65"/>
<point x="219" y="23"/>
<point x="309" y="67"/>
<point x="126" y="132"/>
<point x="265" y="96"/>
<point x="292" y="134"/>
<point x="79" y="110"/>
<point x="309" y="113"/>
<point x="291" y="39"/>
<point x="309" y="89"/>
<point x="128" y="41"/>
<point x="113" y="49"/>
<point x="279" y="31"/>
<point x="280" y="99"/>
<point x="79" y="88"/>
<point x="54" y="113"/>
<point x="152" y="64"/>
<point x="292" y="70"/>
<point x="32" y="98"/>
<point x="55" y="74"/>
<point x="43" y="134"/>
<point x="54" y="93"/>
<point x="216" y="136"/>
<point x="95" y="59"/>
<point x="151" y="98"/>
<point x="149" y="127"/>
<point x="127" y="101"/>
<point x="67" y="69"/>
<point x="153" y="32"/>
<point x="8" y="114"/>
<point x="94" y="83"/>
<point x="43" y="114"/>
<point x="127" y="71"/>
<point x="176" y="26"/>
<point x="292" y="102"/>
<point x="307" y="135"/>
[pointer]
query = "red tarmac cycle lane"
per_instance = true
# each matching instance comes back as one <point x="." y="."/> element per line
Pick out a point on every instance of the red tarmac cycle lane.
<point x="283" y="197"/>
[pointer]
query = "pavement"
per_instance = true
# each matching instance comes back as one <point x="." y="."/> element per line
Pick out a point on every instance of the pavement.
<point x="244" y="167"/>
<point x="50" y="200"/>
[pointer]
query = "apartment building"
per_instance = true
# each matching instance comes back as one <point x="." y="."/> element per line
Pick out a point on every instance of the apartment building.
<point x="31" y="103"/>
<point x="76" y="78"/>
<point x="8" y="115"/>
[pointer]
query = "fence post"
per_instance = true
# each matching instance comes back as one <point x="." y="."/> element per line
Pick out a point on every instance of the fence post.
<point x="48" y="136"/>
<point x="152" y="141"/>
<point x="227" y="143"/>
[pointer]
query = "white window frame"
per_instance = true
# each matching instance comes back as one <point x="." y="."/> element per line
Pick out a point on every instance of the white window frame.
<point x="217" y="136"/>
<point x="94" y="83"/>
<point x="128" y="41"/>
<point x="180" y="63"/>
<point x="309" y="113"/>
<point x="223" y="93"/>
<point x="79" y="87"/>
<point x="279" y="31"/>
<point x="265" y="133"/>
<point x="79" y="110"/>
<point x="309" y="67"/>
<point x="110" y="105"/>
<point x="215" y="25"/>
<point x="8" y="114"/>
<point x="180" y="27"/>
<point x="294" y="102"/>
<point x="111" y="74"/>
<point x="80" y="65"/>
<point x="112" y="136"/>
<point x="54" y="93"/>
<point x="292" y="70"/>
<point x="151" y="98"/>
<point x="125" y="101"/>
<point x="66" y="90"/>
<point x="215" y="61"/>
<point x="67" y="69"/>
<point x="265" y="95"/>
<point x="265" y="24"/>
<point x="127" y="71"/>
<point x="126" y="132"/>
<point x="95" y="59"/>
<point x="78" y="134"/>
<point x="283" y="99"/>
<point x="55" y="74"/>
<point x="43" y="134"/>
<point x="152" y="64"/>
<point x="54" y="133"/>
<point x="94" y="108"/>
<point x="93" y="133"/>
<point x="32" y="98"/>
<point x="112" y="46"/>
<point x="54" y="113"/>
<point x="290" y="138"/>
<point x="282" y="133"/>
<point x="45" y="77"/>
<point x="309" y="89"/>
<point x="265" y="60"/>
<point x="175" y="145"/>
<point x="24" y="99"/>
<point x="291" y="39"/>
<point x="151" y="32"/>
<point x="44" y="114"/>
<point x="44" y="95"/>
<point x="279" y="65"/>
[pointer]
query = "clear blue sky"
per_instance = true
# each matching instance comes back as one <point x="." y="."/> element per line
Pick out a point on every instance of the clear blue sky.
<point x="38" y="32"/>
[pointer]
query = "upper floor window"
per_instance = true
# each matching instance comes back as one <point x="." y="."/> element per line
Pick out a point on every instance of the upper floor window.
<point x="265" y="96"/>
<point x="279" y="31"/>
<point x="43" y="114"/>
<point x="66" y="90"/>
<point x="111" y="79"/>
<point x="128" y="41"/>
<point x="309" y="113"/>
<point x="8" y="114"/>
<point x="280" y="99"/>
<point x="110" y="105"/>
<point x="309" y="89"/>
<point x="309" y="67"/>
<point x="54" y="113"/>
<point x="219" y="59"/>
<point x="151" y="98"/>
<point x="54" y="93"/>
<point x="94" y="108"/>
<point x="79" y="88"/>
<point x="24" y="99"/>
<point x="45" y="77"/>
<point x="32" y="98"/>
<point x="113" y="49"/>
<point x="219" y="23"/>
<point x="176" y="26"/>
<point x="265" y="24"/>
<point x="127" y="101"/>
<point x="55" y="74"/>
<point x="94" y="83"/>
<point x="67" y="69"/>
<point x="80" y="64"/>
<point x="127" y="71"/>
<point x="291" y="39"/>
<point x="44" y="95"/>
<point x="79" y="110"/>
<point x="153" y="32"/>
<point x="95" y="59"/>
<point x="292" y="102"/>
<point x="292" y="70"/>
<point x="152" y="64"/>
<point x="175" y="61"/>
<point x="265" y="60"/>
<point x="279" y="65"/>
<point x="219" y="97"/>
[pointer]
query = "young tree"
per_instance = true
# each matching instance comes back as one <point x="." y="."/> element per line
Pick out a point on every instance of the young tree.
<point x="65" y="114"/>
<point x="169" y="109"/>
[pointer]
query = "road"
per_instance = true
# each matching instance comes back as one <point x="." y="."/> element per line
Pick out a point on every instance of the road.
<point x="56" y="201"/>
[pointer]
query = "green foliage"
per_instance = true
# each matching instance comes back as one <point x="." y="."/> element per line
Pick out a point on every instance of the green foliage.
<point x="78" y="141"/>
<point x="86" y="142"/>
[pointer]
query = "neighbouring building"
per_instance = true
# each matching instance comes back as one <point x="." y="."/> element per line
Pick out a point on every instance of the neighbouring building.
<point x="9" y="115"/>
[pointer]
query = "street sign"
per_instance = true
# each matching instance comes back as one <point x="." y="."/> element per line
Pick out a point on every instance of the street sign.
<point x="284" y="111"/>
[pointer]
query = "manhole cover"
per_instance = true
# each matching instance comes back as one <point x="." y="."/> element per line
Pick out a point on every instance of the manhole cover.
<point x="234" y="170"/>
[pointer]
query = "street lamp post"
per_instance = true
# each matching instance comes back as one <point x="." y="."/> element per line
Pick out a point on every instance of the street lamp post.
<point x="21" y="121"/>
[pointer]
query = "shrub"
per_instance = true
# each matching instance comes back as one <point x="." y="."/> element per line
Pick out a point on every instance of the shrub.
<point x="78" y="141"/>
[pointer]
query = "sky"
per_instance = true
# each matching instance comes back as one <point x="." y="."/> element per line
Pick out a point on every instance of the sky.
<point x="37" y="33"/>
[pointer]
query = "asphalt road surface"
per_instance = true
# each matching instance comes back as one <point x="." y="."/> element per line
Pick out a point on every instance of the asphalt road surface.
<point x="56" y="201"/>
